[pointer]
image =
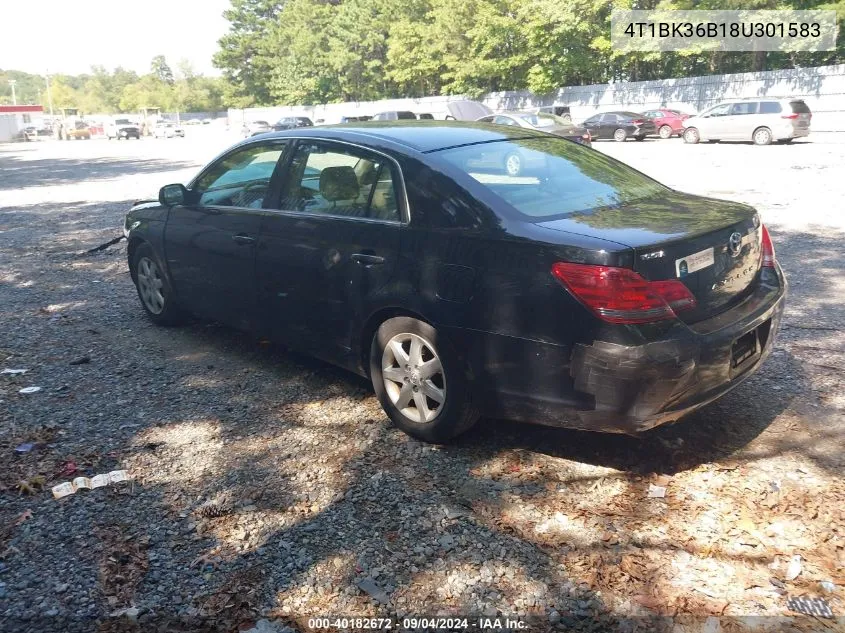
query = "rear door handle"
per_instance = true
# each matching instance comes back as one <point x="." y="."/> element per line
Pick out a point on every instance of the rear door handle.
<point x="240" y="238"/>
<point x="367" y="260"/>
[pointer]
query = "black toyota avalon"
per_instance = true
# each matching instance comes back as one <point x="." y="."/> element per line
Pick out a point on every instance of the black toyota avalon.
<point x="577" y="292"/>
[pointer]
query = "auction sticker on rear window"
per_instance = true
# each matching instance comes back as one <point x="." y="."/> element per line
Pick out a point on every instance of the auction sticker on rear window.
<point x="689" y="264"/>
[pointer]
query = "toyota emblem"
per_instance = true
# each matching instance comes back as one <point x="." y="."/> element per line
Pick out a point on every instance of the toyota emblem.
<point x="735" y="243"/>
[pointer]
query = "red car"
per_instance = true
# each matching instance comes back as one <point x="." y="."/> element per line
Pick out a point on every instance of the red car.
<point x="667" y="122"/>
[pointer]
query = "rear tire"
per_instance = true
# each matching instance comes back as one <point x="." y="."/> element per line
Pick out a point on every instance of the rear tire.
<point x="665" y="131"/>
<point x="691" y="136"/>
<point x="762" y="136"/>
<point x="640" y="138"/>
<point x="785" y="141"/>
<point x="420" y="381"/>
<point x="154" y="288"/>
<point x="620" y="135"/>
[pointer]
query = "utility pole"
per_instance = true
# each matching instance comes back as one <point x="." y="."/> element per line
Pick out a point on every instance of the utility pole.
<point x="12" y="83"/>
<point x="49" y="94"/>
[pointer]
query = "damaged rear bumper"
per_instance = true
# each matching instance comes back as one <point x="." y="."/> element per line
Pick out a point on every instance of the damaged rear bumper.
<point x="638" y="387"/>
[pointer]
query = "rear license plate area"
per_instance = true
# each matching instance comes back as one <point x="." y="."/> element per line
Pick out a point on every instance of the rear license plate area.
<point x="745" y="349"/>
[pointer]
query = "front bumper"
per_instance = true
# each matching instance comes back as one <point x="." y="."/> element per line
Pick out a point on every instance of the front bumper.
<point x="639" y="387"/>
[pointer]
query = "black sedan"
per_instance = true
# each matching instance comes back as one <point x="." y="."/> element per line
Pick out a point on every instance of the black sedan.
<point x="579" y="293"/>
<point x="620" y="126"/>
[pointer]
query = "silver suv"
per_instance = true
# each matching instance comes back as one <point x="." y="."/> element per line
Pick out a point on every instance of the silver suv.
<point x="760" y="120"/>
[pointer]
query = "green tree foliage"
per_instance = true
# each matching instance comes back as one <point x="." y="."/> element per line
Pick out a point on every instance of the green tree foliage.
<point x="121" y="90"/>
<point x="245" y="56"/>
<point x="316" y="51"/>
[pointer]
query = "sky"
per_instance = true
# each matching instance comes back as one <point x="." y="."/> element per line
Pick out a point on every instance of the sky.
<point x="69" y="36"/>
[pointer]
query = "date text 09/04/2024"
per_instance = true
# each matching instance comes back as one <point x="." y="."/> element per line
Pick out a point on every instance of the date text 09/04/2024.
<point x="412" y="623"/>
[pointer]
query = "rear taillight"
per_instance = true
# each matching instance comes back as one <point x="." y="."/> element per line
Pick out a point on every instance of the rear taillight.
<point x="768" y="249"/>
<point x="638" y="121"/>
<point x="794" y="115"/>
<point x="619" y="295"/>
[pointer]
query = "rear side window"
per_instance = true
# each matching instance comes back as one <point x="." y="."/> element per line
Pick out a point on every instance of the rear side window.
<point x="799" y="107"/>
<point x="546" y="178"/>
<point x="746" y="107"/>
<point x="406" y="115"/>
<point x="769" y="107"/>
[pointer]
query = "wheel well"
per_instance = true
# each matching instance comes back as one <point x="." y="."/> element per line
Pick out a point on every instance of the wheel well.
<point x="131" y="247"/>
<point x="372" y="325"/>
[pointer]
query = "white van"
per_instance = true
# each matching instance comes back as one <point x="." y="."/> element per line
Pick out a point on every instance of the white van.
<point x="759" y="120"/>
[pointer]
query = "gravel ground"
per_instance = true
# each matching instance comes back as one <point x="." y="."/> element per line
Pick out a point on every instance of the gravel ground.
<point x="267" y="486"/>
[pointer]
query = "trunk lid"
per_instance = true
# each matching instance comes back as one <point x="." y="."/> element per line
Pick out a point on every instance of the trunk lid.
<point x="802" y="121"/>
<point x="711" y="246"/>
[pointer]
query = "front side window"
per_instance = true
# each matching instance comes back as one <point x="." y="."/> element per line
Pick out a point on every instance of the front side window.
<point x="719" y="110"/>
<point x="334" y="179"/>
<point x="241" y="179"/>
<point x="556" y="177"/>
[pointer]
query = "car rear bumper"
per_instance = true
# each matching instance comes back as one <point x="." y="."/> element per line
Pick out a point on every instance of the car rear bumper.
<point x="639" y="387"/>
<point x="619" y="388"/>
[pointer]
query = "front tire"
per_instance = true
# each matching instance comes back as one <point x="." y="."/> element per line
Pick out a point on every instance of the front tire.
<point x="620" y="135"/>
<point x="154" y="289"/>
<point x="762" y="136"/>
<point x="665" y="131"/>
<point x="419" y="381"/>
<point x="691" y="136"/>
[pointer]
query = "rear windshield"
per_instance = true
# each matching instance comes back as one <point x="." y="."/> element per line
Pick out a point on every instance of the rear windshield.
<point x="799" y="107"/>
<point x="544" y="178"/>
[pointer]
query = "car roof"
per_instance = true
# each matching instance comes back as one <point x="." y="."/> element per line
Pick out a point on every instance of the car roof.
<point x="422" y="136"/>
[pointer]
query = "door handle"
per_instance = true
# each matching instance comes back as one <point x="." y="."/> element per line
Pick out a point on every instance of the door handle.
<point x="367" y="260"/>
<point x="240" y="238"/>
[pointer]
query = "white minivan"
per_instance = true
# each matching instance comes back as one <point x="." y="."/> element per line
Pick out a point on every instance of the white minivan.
<point x="759" y="120"/>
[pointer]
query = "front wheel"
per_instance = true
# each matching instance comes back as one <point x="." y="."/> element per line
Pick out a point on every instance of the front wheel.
<point x="691" y="136"/>
<point x="620" y="135"/>
<point x="762" y="136"/>
<point x="419" y="380"/>
<point x="154" y="289"/>
<point x="665" y="131"/>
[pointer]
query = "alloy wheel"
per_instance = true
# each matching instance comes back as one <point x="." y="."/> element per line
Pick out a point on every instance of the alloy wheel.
<point x="620" y="135"/>
<point x="691" y="135"/>
<point x="150" y="285"/>
<point x="763" y="136"/>
<point x="413" y="377"/>
<point x="665" y="131"/>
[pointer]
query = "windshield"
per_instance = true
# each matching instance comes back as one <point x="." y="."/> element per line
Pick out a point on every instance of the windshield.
<point x="551" y="177"/>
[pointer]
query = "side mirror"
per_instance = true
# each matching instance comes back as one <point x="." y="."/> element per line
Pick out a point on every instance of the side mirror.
<point x="171" y="195"/>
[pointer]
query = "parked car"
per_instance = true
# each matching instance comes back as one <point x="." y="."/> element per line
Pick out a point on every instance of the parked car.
<point x="394" y="116"/>
<point x="759" y="120"/>
<point x="467" y="110"/>
<point x="668" y="122"/>
<point x="123" y="128"/>
<point x="620" y="126"/>
<point x="544" y="122"/>
<point x="291" y="122"/>
<point x="355" y="119"/>
<point x="564" y="112"/>
<point x="255" y="127"/>
<point x="167" y="129"/>
<point x="74" y="130"/>
<point x="580" y="293"/>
